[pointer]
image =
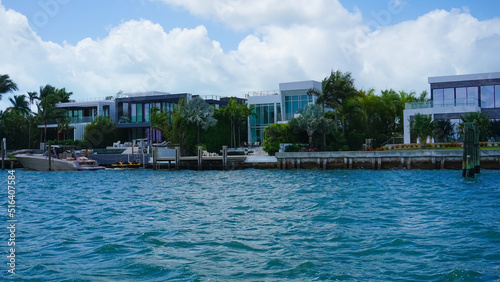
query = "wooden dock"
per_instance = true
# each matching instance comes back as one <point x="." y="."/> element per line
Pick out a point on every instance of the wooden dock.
<point x="198" y="162"/>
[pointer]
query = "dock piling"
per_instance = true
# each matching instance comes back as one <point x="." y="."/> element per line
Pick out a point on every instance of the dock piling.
<point x="470" y="159"/>
<point x="224" y="157"/>
<point x="200" y="157"/>
<point x="49" y="154"/>
<point x="177" y="157"/>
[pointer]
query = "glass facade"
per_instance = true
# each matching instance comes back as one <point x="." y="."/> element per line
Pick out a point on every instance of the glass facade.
<point x="489" y="96"/>
<point x="449" y="97"/>
<point x="497" y="96"/>
<point x="141" y="112"/>
<point x="461" y="94"/>
<point x="295" y="100"/>
<point x="265" y="115"/>
<point x="438" y="97"/>
<point x="79" y="115"/>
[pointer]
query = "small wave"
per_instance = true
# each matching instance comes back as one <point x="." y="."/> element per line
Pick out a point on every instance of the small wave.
<point x="111" y="249"/>
<point x="239" y="245"/>
<point x="274" y="263"/>
<point x="400" y="242"/>
<point x="461" y="275"/>
<point x="300" y="269"/>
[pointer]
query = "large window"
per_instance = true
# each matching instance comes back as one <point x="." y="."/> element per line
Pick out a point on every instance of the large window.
<point x="264" y="115"/>
<point x="438" y="97"/>
<point x="472" y="96"/>
<point x="139" y="112"/>
<point x="294" y="103"/>
<point x="449" y="97"/>
<point x="147" y="109"/>
<point x="461" y="94"/>
<point x="497" y="96"/>
<point x="133" y="112"/>
<point x="278" y="112"/>
<point x="488" y="96"/>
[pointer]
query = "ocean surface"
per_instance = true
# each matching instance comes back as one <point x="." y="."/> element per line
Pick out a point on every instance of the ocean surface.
<point x="254" y="225"/>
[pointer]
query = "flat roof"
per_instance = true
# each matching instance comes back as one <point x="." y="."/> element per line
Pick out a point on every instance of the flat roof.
<point x="464" y="77"/>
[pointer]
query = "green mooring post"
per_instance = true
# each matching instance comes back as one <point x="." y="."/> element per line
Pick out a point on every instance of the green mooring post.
<point x="477" y="151"/>
<point x="471" y="151"/>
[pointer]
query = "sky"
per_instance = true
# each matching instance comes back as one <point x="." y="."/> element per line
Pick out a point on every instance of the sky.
<point x="230" y="47"/>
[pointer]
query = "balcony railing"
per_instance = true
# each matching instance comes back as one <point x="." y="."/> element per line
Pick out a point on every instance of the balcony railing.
<point x="262" y="93"/>
<point x="443" y="104"/>
<point x="82" y="119"/>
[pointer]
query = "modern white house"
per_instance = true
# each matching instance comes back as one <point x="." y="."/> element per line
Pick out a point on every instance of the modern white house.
<point x="456" y="95"/>
<point x="84" y="112"/>
<point x="276" y="106"/>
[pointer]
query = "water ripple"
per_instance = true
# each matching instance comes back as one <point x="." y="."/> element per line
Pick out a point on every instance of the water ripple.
<point x="258" y="225"/>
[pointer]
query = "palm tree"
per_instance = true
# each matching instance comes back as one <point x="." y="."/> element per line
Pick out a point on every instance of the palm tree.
<point x="199" y="113"/>
<point x="232" y="111"/>
<point x="20" y="104"/>
<point x="422" y="128"/>
<point x="32" y="95"/>
<point x="160" y="121"/>
<point x="442" y="130"/>
<point x="480" y="120"/>
<point x="321" y="94"/>
<point x="311" y="120"/>
<point x="336" y="89"/>
<point x="6" y="85"/>
<point x="47" y="110"/>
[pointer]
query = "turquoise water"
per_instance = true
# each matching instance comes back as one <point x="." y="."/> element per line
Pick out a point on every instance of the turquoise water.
<point x="256" y="225"/>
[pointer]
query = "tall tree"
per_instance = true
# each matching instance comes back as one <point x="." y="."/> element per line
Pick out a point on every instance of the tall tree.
<point x="238" y="116"/>
<point x="49" y="96"/>
<point x="6" y="85"/>
<point x="20" y="104"/>
<point x="32" y="95"/>
<point x="199" y="113"/>
<point x="322" y="93"/>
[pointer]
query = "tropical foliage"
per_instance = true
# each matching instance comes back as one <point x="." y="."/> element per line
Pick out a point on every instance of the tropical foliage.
<point x="6" y="85"/>
<point x="199" y="113"/>
<point x="311" y="120"/>
<point x="422" y="127"/>
<point x="101" y="132"/>
<point x="478" y="119"/>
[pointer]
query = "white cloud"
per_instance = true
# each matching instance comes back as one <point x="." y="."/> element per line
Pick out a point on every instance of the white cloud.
<point x="247" y="14"/>
<point x="141" y="55"/>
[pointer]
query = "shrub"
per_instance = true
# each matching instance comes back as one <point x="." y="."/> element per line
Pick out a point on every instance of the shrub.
<point x="274" y="135"/>
<point x="293" y="148"/>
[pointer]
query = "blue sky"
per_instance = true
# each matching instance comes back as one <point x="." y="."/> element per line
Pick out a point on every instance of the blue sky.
<point x="230" y="47"/>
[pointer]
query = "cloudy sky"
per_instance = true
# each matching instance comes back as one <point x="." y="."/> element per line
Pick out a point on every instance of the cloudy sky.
<point x="229" y="47"/>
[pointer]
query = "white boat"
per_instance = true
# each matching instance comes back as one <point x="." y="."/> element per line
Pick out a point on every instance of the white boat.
<point x="58" y="162"/>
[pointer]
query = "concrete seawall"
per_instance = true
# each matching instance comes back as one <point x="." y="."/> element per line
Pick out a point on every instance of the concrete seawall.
<point x="397" y="159"/>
